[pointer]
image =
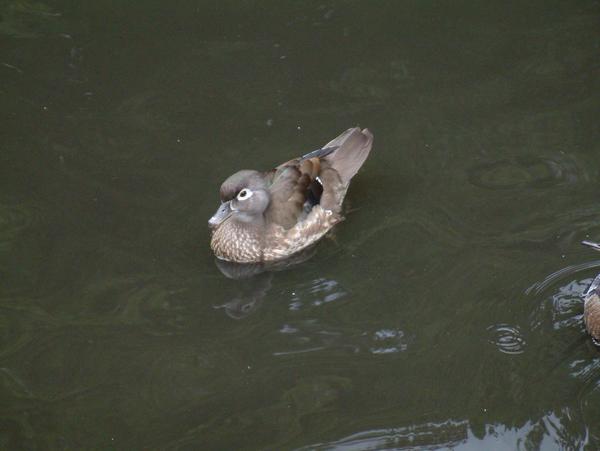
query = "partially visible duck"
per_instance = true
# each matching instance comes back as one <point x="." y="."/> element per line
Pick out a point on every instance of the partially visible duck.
<point x="591" y="305"/>
<point x="268" y="216"/>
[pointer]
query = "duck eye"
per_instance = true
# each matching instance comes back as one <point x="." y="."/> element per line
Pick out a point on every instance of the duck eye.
<point x="244" y="194"/>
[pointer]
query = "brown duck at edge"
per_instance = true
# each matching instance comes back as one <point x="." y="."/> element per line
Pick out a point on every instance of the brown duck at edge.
<point x="591" y="303"/>
<point x="268" y="216"/>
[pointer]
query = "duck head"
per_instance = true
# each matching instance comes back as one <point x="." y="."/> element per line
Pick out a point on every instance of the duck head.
<point x="244" y="198"/>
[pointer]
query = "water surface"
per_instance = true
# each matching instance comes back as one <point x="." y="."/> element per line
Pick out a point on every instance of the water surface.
<point x="444" y="312"/>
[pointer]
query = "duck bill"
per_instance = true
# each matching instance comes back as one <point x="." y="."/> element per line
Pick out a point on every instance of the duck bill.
<point x="222" y="213"/>
<point x="594" y="287"/>
<point x="591" y="244"/>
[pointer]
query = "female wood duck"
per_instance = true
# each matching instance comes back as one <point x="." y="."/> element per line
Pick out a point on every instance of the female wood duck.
<point x="591" y="303"/>
<point x="268" y="216"/>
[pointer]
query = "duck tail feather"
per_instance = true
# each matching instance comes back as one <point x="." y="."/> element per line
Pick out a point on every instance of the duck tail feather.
<point x="352" y="149"/>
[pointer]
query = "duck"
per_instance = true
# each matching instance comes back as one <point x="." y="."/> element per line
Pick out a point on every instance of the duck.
<point x="591" y="303"/>
<point x="272" y="215"/>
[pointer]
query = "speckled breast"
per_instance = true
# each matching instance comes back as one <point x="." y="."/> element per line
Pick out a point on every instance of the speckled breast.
<point x="236" y="244"/>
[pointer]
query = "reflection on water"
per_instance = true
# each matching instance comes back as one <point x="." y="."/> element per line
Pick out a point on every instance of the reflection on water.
<point x="547" y="432"/>
<point x="252" y="285"/>
<point x="311" y="336"/>
<point x="389" y="341"/>
<point x="446" y="434"/>
<point x="249" y="296"/>
<point x="253" y="281"/>
<point x="314" y="293"/>
<point x="446" y="313"/>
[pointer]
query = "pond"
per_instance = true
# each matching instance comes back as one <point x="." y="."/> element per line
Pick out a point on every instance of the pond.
<point x="444" y="312"/>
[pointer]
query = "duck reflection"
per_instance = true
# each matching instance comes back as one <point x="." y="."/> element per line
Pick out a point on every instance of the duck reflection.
<point x="253" y="281"/>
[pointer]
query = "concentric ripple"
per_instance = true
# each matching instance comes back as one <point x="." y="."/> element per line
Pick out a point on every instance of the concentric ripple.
<point x="561" y="302"/>
<point x="508" y="339"/>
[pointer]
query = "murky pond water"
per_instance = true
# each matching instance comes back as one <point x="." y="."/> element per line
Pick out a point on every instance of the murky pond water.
<point x="444" y="312"/>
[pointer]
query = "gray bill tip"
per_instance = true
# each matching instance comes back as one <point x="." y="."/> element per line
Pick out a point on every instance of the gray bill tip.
<point x="594" y="286"/>
<point x="220" y="215"/>
<point x="592" y="244"/>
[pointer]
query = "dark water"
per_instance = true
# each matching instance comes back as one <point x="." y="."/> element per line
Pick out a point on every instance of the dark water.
<point x="445" y="312"/>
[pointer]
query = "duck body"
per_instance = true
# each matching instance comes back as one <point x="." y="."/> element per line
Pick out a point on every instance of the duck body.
<point x="591" y="303"/>
<point x="591" y="310"/>
<point x="591" y="316"/>
<point x="269" y="216"/>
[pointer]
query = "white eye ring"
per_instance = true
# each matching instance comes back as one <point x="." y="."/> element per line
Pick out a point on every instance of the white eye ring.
<point x="244" y="194"/>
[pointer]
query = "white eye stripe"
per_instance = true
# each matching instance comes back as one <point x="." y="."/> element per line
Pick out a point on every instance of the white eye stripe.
<point x="244" y="194"/>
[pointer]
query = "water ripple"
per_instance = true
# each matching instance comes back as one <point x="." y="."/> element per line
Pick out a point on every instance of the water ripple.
<point x="562" y="273"/>
<point x="311" y="336"/>
<point x="389" y="341"/>
<point x="563" y="308"/>
<point x="525" y="172"/>
<point x="508" y="339"/>
<point x="13" y="220"/>
<point x="443" y="434"/>
<point x="315" y="293"/>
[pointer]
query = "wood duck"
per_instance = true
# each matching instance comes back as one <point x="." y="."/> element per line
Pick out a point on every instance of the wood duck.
<point x="268" y="216"/>
<point x="591" y="303"/>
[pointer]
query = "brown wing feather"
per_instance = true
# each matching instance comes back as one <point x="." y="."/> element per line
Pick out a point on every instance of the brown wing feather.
<point x="335" y="164"/>
<point x="289" y="191"/>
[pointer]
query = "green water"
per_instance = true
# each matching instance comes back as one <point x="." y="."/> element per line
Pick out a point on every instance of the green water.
<point x="445" y="312"/>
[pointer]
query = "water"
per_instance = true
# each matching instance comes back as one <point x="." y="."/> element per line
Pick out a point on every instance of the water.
<point x="444" y="312"/>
